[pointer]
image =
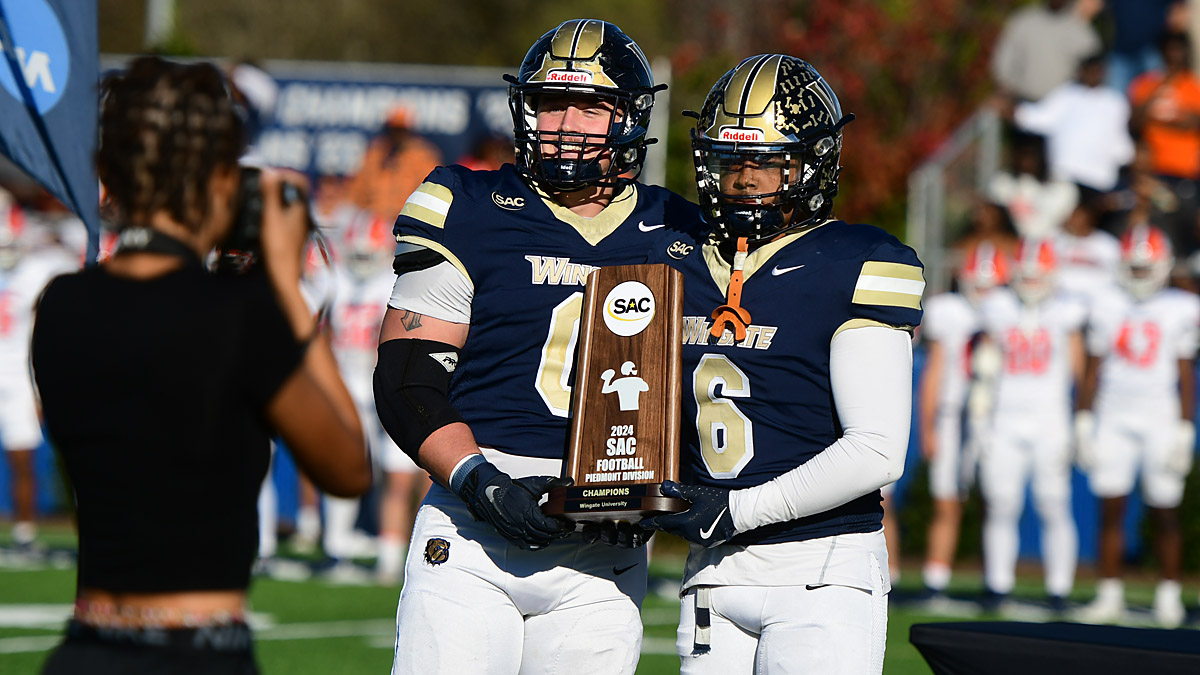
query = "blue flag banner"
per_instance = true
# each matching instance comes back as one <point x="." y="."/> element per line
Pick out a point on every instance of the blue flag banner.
<point x="48" y="100"/>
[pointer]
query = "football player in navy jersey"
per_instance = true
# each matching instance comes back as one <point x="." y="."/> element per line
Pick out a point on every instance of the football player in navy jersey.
<point x="797" y="364"/>
<point x="475" y="354"/>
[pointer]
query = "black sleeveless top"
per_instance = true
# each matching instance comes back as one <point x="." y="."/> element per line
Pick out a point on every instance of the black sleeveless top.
<point x="154" y="394"/>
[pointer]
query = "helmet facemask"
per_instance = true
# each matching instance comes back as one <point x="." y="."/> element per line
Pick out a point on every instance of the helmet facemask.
<point x="1033" y="287"/>
<point x="1143" y="281"/>
<point x="758" y="191"/>
<point x="1035" y="271"/>
<point x="1146" y="261"/>
<point x="581" y="158"/>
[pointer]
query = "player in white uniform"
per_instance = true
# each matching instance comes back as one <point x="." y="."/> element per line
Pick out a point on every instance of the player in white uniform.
<point x="364" y="283"/>
<point x="1141" y="353"/>
<point x="1087" y="257"/>
<point x="24" y="272"/>
<point x="948" y="330"/>
<point x="1038" y="334"/>
<point x="1037" y="202"/>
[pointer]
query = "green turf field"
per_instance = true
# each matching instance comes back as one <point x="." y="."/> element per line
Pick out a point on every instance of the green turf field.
<point x="318" y="627"/>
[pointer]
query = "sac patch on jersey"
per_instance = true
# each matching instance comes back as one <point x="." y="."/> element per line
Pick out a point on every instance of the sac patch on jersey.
<point x="759" y="407"/>
<point x="527" y="267"/>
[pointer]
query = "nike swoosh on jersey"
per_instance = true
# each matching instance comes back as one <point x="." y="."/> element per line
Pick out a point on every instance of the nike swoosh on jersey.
<point x="777" y="270"/>
<point x="649" y="228"/>
<point x="623" y="570"/>
<point x="707" y="532"/>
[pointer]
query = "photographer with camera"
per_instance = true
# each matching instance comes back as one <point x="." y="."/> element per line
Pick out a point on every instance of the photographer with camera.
<point x="162" y="383"/>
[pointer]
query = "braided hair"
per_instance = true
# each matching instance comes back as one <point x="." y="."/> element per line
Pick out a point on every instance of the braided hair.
<point x="165" y="128"/>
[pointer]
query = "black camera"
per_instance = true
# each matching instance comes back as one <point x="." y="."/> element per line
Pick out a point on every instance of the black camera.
<point x="242" y="250"/>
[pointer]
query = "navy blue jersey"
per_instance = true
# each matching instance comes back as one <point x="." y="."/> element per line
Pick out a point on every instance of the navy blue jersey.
<point x="527" y="260"/>
<point x="760" y="407"/>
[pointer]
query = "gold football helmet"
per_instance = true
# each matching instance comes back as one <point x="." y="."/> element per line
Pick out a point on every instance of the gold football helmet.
<point x="594" y="58"/>
<point x="766" y="146"/>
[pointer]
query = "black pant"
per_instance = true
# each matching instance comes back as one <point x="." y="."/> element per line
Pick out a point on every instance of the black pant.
<point x="216" y="650"/>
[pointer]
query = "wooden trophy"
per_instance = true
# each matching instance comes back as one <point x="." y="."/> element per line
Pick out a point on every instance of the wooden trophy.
<point x="625" y="414"/>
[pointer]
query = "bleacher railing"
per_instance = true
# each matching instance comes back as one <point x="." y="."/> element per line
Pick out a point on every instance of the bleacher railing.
<point x="943" y="190"/>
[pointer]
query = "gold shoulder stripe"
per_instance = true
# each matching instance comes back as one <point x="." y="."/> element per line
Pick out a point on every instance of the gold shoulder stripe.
<point x="429" y="204"/>
<point x="895" y="270"/>
<point x="864" y="323"/>
<point x="886" y="299"/>
<point x="889" y="284"/>
<point x="435" y="246"/>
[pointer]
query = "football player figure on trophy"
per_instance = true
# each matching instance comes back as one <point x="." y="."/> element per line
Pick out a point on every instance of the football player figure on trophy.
<point x="799" y="389"/>
<point x="475" y="360"/>
<point x="629" y="388"/>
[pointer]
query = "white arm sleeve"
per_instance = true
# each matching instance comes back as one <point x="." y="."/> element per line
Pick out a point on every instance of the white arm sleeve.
<point x="871" y="374"/>
<point x="442" y="292"/>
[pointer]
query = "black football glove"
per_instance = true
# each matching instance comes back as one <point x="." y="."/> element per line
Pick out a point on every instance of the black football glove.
<point x="619" y="533"/>
<point x="707" y="522"/>
<point x="511" y="506"/>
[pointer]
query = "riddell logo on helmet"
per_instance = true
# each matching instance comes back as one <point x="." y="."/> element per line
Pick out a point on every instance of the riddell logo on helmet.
<point x="741" y="134"/>
<point x="570" y="76"/>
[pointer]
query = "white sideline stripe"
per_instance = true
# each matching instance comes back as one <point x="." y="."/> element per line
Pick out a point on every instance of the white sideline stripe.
<point x="869" y="282"/>
<point x="32" y="643"/>
<point x="430" y="202"/>
<point x="371" y="628"/>
<point x="328" y="629"/>
<point x="35" y="616"/>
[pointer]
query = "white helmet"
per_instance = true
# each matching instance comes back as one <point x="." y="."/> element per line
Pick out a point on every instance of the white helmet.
<point x="1034" y="270"/>
<point x="984" y="268"/>
<point x="367" y="244"/>
<point x="1146" y="260"/>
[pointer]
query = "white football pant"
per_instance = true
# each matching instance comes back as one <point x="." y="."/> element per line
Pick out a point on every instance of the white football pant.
<point x="473" y="603"/>
<point x="1024" y="448"/>
<point x="833" y="630"/>
<point x="1133" y="441"/>
<point x="947" y="479"/>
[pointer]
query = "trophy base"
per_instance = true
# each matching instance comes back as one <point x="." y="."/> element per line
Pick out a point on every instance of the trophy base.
<point x="604" y="503"/>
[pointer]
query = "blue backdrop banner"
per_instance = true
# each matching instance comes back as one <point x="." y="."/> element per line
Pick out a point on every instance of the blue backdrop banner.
<point x="48" y="104"/>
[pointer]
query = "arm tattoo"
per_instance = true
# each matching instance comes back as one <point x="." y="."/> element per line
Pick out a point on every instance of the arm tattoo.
<point x="410" y="320"/>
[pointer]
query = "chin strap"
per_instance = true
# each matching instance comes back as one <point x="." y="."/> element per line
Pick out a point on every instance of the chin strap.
<point x="732" y="312"/>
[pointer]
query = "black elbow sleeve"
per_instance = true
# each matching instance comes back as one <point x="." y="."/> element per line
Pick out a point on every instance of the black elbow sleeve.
<point x="411" y="383"/>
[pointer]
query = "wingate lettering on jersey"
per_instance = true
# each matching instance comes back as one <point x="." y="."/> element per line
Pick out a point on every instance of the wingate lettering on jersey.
<point x="558" y="271"/>
<point x="695" y="332"/>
